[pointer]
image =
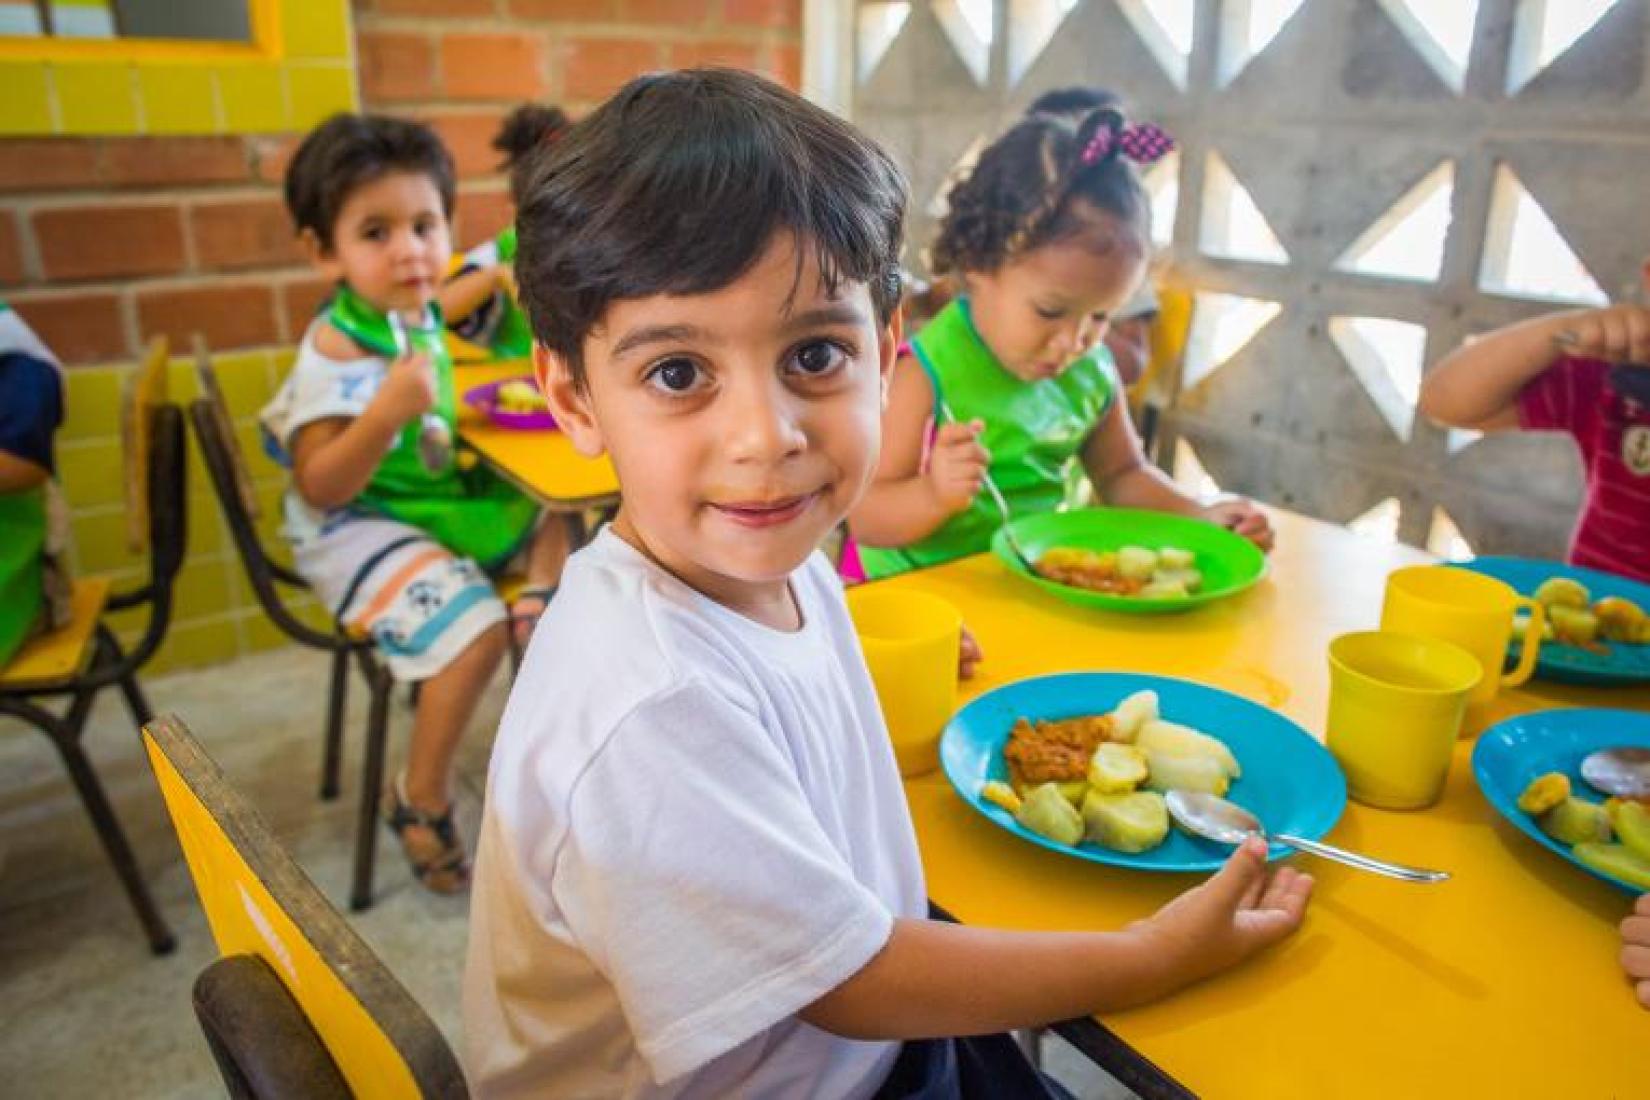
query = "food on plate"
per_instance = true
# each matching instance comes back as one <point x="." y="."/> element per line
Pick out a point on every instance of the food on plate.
<point x="1617" y="860"/>
<point x="1575" y="821"/>
<point x="1573" y="618"/>
<point x="1165" y="573"/>
<point x="1046" y="812"/>
<point x="1544" y="792"/>
<point x="1101" y="777"/>
<point x="1622" y="620"/>
<point x="1574" y="626"/>
<point x="1562" y="592"/>
<point x="1128" y="821"/>
<point x="519" y="396"/>
<point x="1632" y="824"/>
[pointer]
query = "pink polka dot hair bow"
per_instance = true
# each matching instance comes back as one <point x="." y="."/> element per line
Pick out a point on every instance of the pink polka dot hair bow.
<point x="1142" y="143"/>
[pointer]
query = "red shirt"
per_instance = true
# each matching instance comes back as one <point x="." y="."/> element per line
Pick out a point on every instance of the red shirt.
<point x="1613" y="432"/>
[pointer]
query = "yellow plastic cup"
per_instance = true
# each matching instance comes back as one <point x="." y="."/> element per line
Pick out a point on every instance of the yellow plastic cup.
<point x="1395" y="708"/>
<point x="910" y="640"/>
<point x="1473" y="611"/>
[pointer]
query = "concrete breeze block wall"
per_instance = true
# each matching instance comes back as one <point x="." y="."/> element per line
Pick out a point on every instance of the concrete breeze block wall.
<point x="106" y="242"/>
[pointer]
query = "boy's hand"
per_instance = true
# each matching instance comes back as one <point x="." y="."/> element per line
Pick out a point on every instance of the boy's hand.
<point x="1242" y="517"/>
<point x="1239" y="911"/>
<point x="968" y="655"/>
<point x="1619" y="334"/>
<point x="956" y="464"/>
<point x="1635" y="948"/>
<point x="408" y="389"/>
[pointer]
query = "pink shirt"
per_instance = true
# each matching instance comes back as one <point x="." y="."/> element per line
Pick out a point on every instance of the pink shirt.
<point x="1613" y="432"/>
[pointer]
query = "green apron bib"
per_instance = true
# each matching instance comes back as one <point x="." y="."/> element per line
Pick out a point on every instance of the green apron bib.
<point x="513" y="339"/>
<point x="1034" y="431"/>
<point x="22" y="567"/>
<point x="473" y="513"/>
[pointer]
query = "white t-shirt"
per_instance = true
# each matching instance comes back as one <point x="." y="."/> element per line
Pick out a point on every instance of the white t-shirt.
<point x="694" y="828"/>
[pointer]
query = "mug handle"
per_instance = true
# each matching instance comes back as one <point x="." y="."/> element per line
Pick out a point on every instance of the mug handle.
<point x="1533" y="630"/>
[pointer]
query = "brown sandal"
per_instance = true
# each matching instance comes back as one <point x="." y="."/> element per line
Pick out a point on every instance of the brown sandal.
<point x="443" y="870"/>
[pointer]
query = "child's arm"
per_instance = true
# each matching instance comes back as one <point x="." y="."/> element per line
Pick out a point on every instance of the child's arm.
<point x="1477" y="385"/>
<point x="334" y="459"/>
<point x="463" y="294"/>
<point x="1635" y="948"/>
<point x="1118" y="467"/>
<point x="936" y="979"/>
<point x="18" y="474"/>
<point x="905" y="502"/>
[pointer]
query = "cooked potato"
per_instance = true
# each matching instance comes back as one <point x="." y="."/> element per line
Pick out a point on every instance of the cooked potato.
<point x="1169" y="771"/>
<point x="1161" y="588"/>
<point x="1617" y="860"/>
<point x="1576" y="626"/>
<point x="1172" y="738"/>
<point x="1562" y="592"/>
<point x="1632" y="823"/>
<point x="1544" y="792"/>
<point x="1173" y="557"/>
<point x="1133" y="713"/>
<point x="1136" y="562"/>
<point x="1001" y="794"/>
<point x="1622" y="620"/>
<point x="1046" y="812"/>
<point x="1128" y="822"/>
<point x="1575" y="821"/>
<point x="1117" y="768"/>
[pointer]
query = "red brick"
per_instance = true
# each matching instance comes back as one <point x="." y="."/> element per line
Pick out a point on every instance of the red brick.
<point x="243" y="233"/>
<point x="270" y="156"/>
<point x="481" y="214"/>
<point x="99" y="242"/>
<point x="300" y="298"/>
<point x="570" y="11"/>
<point x="594" y="68"/>
<point x="79" y="327"/>
<point x="168" y="161"/>
<point x="731" y="55"/>
<point x="470" y="138"/>
<point x="433" y="7"/>
<point x="689" y="14"/>
<point x="229" y="315"/>
<point x="763" y="13"/>
<point x="395" y="67"/>
<point x="11" y="251"/>
<point x="492" y="66"/>
<point x="788" y="62"/>
<point x="47" y="164"/>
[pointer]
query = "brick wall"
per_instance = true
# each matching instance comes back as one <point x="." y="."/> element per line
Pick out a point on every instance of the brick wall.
<point x="106" y="242"/>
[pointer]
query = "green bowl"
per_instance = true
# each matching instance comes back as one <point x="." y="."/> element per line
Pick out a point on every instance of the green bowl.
<point x="1229" y="563"/>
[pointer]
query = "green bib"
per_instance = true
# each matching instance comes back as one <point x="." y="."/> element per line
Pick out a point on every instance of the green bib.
<point x="512" y="336"/>
<point x="473" y="512"/>
<point x="22" y="566"/>
<point x="1034" y="431"/>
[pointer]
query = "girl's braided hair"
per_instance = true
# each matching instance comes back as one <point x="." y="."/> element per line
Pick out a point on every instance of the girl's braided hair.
<point x="1025" y="188"/>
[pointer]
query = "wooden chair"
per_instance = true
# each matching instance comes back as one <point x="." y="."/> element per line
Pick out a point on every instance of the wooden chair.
<point x="297" y="1004"/>
<point x="82" y="658"/>
<point x="227" y="470"/>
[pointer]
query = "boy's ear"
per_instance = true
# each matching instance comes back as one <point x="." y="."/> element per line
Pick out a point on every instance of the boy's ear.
<point x="322" y="258"/>
<point x="888" y="344"/>
<point x="568" y="404"/>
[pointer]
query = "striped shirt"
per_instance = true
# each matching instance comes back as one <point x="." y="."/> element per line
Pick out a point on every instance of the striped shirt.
<point x="1613" y="433"/>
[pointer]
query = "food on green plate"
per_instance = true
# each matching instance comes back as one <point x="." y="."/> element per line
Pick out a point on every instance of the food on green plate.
<point x="1103" y="765"/>
<point x="1130" y="821"/>
<point x="1632" y="824"/>
<point x="1575" y="821"/>
<point x="1165" y="573"/>
<point x="1046" y="812"/>
<point x="1116" y="768"/>
<point x="1544" y="792"/>
<point x="1562" y="592"/>
<point x="1617" y="860"/>
<point x="519" y="396"/>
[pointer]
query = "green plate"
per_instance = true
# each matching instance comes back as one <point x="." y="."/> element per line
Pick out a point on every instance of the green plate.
<point x="1229" y="563"/>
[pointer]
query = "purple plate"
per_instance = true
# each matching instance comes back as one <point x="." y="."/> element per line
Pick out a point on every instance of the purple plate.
<point x="485" y="398"/>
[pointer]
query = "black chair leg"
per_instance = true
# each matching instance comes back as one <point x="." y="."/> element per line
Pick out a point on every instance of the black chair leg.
<point x="65" y="734"/>
<point x="372" y="782"/>
<point x="142" y="713"/>
<point x="334" y="752"/>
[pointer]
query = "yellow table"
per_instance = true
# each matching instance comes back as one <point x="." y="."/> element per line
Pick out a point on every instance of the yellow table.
<point x="543" y="465"/>
<point x="1503" y="982"/>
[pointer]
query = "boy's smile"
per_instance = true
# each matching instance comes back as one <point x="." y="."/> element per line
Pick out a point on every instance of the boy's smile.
<point x="743" y="422"/>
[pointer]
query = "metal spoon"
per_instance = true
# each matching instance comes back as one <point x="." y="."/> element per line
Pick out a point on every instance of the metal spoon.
<point x="435" y="439"/>
<point x="1002" y="505"/>
<point x="1210" y="816"/>
<point x="1624" y="772"/>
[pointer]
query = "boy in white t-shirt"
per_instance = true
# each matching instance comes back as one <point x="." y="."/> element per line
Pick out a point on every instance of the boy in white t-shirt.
<point x="697" y="876"/>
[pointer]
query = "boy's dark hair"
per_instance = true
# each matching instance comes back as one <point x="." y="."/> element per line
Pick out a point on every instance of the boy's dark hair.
<point x="1073" y="100"/>
<point x="677" y="184"/>
<point x="1026" y="188"/>
<point x="347" y="151"/>
<point x="525" y="129"/>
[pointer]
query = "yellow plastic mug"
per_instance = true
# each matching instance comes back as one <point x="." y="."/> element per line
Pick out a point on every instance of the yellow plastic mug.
<point x="1395" y="707"/>
<point x="910" y="641"/>
<point x="1471" y="610"/>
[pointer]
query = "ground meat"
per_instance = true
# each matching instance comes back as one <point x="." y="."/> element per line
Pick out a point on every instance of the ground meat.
<point x="1054" y="751"/>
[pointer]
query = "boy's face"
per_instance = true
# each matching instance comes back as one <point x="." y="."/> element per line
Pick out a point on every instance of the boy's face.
<point x="743" y="422"/>
<point x="390" y="243"/>
<point x="1040" y="310"/>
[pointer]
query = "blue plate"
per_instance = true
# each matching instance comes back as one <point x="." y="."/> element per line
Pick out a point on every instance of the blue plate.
<point x="1289" y="780"/>
<point x="1512" y="753"/>
<point x="1623" y="664"/>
